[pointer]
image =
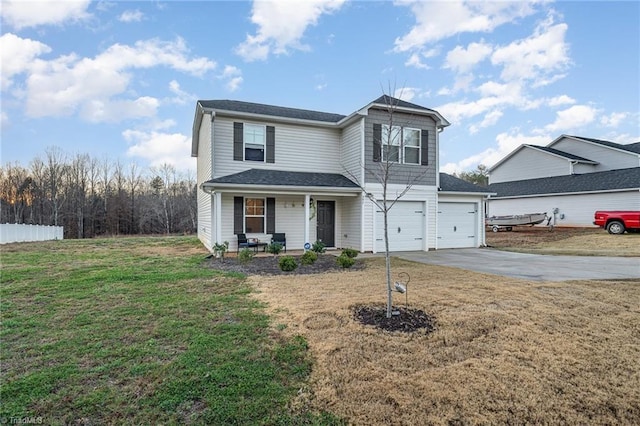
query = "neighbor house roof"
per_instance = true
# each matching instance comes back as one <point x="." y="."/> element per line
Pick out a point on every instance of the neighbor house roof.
<point x="556" y="152"/>
<point x="610" y="180"/>
<point x="563" y="154"/>
<point x="449" y="183"/>
<point x="634" y="147"/>
<point x="281" y="178"/>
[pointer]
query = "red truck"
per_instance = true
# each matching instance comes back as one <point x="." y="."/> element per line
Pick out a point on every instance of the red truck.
<point x="616" y="222"/>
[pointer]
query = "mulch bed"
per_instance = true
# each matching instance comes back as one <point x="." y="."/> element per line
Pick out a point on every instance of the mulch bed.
<point x="268" y="265"/>
<point x="408" y="321"/>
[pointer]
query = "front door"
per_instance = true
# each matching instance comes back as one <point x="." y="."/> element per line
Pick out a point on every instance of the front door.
<point x="326" y="222"/>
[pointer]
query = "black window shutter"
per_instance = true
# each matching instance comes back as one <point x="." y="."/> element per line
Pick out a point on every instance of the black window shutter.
<point x="271" y="144"/>
<point x="238" y="215"/>
<point x="238" y="145"/>
<point x="377" y="142"/>
<point x="424" y="145"/>
<point x="271" y="215"/>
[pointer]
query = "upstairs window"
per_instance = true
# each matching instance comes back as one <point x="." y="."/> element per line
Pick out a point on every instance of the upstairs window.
<point x="411" y="143"/>
<point x="400" y="145"/>
<point x="391" y="138"/>
<point x="254" y="137"/>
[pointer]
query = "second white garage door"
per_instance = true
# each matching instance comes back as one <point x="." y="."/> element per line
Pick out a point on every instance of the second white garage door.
<point x="457" y="225"/>
<point x="406" y="227"/>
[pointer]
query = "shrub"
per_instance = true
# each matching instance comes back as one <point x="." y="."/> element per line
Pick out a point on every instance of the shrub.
<point x="220" y="249"/>
<point x="245" y="256"/>
<point x="309" y="257"/>
<point x="274" y="248"/>
<point x="319" y="247"/>
<point x="349" y="252"/>
<point x="287" y="263"/>
<point x="345" y="261"/>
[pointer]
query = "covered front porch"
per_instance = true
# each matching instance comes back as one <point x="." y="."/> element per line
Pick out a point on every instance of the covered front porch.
<point x="305" y="214"/>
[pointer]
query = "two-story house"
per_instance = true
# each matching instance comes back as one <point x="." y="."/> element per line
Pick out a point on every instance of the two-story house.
<point x="570" y="179"/>
<point x="264" y="169"/>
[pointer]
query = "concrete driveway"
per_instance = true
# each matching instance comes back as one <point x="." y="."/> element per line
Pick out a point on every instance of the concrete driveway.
<point x="531" y="266"/>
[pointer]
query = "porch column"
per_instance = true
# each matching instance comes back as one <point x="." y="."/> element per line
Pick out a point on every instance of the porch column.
<point x="217" y="204"/>
<point x="307" y="199"/>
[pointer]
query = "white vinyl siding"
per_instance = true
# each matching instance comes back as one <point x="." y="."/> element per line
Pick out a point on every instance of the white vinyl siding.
<point x="351" y="150"/>
<point x="573" y="210"/>
<point x="351" y="230"/>
<point x="204" y="173"/>
<point x="297" y="148"/>
<point x="607" y="158"/>
<point x="529" y="163"/>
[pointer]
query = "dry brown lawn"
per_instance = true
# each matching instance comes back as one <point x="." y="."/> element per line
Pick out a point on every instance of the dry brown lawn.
<point x="566" y="241"/>
<point x="505" y="351"/>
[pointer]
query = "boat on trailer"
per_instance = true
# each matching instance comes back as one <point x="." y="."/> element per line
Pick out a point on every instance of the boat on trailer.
<point x="508" y="222"/>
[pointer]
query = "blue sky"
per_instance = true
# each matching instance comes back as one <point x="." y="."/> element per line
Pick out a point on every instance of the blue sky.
<point x="120" y="80"/>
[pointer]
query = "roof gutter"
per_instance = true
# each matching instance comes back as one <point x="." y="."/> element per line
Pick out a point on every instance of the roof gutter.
<point x="210" y="187"/>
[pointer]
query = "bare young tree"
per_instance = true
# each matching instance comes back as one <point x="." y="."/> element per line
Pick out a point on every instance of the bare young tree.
<point x="389" y="147"/>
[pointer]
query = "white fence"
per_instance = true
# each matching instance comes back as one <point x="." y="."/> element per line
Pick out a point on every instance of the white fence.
<point x="17" y="233"/>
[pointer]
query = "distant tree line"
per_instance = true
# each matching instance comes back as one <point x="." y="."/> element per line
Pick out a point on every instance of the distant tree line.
<point x="95" y="197"/>
<point x="479" y="176"/>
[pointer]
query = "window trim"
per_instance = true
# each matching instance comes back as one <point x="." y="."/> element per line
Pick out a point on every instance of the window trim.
<point x="418" y="146"/>
<point x="263" y="215"/>
<point x="398" y="140"/>
<point x="264" y="141"/>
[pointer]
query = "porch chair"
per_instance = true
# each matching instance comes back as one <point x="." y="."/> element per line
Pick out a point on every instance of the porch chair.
<point x="243" y="242"/>
<point x="280" y="238"/>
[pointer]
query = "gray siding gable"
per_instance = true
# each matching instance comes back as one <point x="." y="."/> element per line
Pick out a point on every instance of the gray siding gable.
<point x="563" y="154"/>
<point x="609" y="180"/>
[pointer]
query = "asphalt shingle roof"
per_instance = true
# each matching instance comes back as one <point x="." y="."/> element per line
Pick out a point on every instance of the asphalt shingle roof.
<point x="451" y="183"/>
<point x="388" y="100"/>
<point x="634" y="147"/>
<point x="276" y="111"/>
<point x="564" y="154"/>
<point x="284" y="178"/>
<point x="588" y="182"/>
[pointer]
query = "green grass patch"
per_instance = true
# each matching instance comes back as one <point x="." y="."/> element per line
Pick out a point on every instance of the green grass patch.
<point x="138" y="331"/>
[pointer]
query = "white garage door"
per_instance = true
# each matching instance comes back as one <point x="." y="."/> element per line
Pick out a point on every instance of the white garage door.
<point x="457" y="225"/>
<point x="406" y="227"/>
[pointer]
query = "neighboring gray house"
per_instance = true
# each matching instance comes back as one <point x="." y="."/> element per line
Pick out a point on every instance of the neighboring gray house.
<point x="570" y="179"/>
<point x="263" y="169"/>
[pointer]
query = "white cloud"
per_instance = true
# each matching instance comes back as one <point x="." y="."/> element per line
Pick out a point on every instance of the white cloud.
<point x="415" y="59"/>
<point x="233" y="75"/>
<point x="561" y="100"/>
<point x="63" y="85"/>
<point x="17" y="55"/>
<point x="572" y="118"/>
<point x="131" y="16"/>
<point x="614" y="119"/>
<point x="181" y="97"/>
<point x="281" y="26"/>
<point x="490" y="119"/>
<point x="535" y="58"/>
<point x="4" y="119"/>
<point x="437" y="20"/>
<point x="98" y="111"/>
<point x="23" y="13"/>
<point x="463" y="60"/>
<point x="159" y="148"/>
